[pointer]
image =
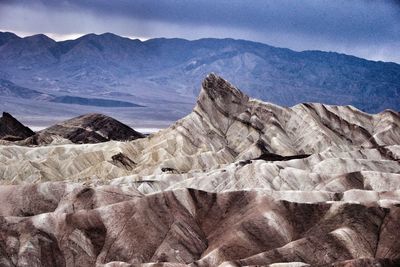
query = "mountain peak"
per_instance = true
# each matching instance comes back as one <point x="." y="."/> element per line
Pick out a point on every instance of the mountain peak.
<point x="88" y="128"/>
<point x="219" y="101"/>
<point x="7" y="36"/>
<point x="110" y="34"/>
<point x="220" y="93"/>
<point x="217" y="87"/>
<point x="40" y="37"/>
<point x="7" y="115"/>
<point x="11" y="129"/>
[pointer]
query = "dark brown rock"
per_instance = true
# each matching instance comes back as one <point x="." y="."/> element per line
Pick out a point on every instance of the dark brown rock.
<point x="89" y="128"/>
<point x="12" y="130"/>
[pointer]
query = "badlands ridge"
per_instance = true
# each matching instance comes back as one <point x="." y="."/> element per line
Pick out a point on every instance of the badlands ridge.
<point x="237" y="182"/>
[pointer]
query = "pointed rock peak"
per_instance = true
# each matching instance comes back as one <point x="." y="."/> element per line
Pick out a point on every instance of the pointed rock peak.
<point x="9" y="120"/>
<point x="218" y="88"/>
<point x="218" y="96"/>
<point x="8" y="115"/>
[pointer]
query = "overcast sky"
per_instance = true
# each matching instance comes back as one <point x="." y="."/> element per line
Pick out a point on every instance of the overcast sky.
<point x="365" y="28"/>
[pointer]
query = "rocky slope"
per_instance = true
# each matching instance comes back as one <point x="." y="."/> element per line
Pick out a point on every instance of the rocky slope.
<point x="238" y="182"/>
<point x="12" y="130"/>
<point x="89" y="128"/>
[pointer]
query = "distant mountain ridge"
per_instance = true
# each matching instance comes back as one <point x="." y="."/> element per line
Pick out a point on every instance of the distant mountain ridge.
<point x="169" y="69"/>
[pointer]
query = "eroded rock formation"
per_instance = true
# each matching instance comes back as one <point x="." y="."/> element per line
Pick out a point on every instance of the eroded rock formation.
<point x="238" y="182"/>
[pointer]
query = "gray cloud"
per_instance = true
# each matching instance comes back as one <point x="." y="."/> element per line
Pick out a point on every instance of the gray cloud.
<point x="366" y="28"/>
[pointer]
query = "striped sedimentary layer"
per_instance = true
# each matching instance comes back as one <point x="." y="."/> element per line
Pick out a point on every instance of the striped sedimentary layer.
<point x="237" y="182"/>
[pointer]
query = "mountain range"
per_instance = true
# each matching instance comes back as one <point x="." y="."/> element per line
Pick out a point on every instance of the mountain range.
<point x="237" y="182"/>
<point x="161" y="74"/>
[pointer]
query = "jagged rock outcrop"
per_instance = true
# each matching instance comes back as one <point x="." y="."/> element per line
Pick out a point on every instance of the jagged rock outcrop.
<point x="12" y="130"/>
<point x="89" y="128"/>
<point x="238" y="182"/>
